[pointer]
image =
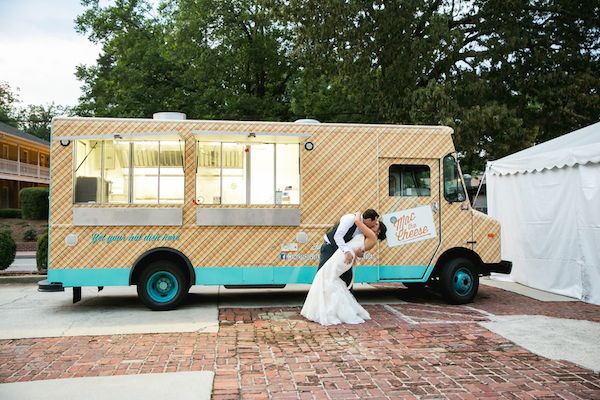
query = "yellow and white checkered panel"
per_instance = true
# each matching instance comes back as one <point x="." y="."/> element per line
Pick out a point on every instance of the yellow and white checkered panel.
<point x="456" y="227"/>
<point x="416" y="142"/>
<point x="486" y="235"/>
<point x="342" y="174"/>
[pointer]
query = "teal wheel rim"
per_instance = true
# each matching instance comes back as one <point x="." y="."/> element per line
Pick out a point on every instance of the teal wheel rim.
<point x="463" y="281"/>
<point x="162" y="287"/>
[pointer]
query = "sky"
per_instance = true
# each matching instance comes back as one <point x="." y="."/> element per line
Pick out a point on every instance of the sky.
<point x="39" y="50"/>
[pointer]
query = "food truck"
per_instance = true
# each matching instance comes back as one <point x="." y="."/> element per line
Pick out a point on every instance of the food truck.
<point x="167" y="203"/>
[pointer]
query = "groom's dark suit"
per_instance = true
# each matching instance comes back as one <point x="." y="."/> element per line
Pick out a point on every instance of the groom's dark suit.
<point x="330" y="246"/>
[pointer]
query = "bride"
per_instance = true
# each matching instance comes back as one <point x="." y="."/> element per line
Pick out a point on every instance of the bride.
<point x="329" y="301"/>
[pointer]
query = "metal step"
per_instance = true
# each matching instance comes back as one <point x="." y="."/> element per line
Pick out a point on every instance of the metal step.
<point x="46" y="286"/>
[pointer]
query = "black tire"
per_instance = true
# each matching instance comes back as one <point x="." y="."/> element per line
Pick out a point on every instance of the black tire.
<point x="459" y="281"/>
<point x="162" y="285"/>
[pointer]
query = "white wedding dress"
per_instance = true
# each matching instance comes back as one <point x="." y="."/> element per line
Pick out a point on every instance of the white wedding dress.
<point x="329" y="301"/>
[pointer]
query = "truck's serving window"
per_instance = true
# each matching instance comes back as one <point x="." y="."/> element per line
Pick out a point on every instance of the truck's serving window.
<point x="453" y="187"/>
<point x="123" y="172"/>
<point x="409" y="180"/>
<point x="241" y="173"/>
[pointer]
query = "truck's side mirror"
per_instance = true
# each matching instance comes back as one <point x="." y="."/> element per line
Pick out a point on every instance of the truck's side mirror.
<point x="454" y="191"/>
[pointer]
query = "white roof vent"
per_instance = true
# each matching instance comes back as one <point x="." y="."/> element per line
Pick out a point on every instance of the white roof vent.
<point x="307" y="121"/>
<point x="169" y="116"/>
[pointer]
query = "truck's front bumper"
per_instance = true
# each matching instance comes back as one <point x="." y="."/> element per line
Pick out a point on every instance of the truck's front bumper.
<point x="503" y="267"/>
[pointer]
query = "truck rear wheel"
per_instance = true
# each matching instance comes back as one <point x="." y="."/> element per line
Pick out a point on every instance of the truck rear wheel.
<point x="162" y="285"/>
<point x="459" y="281"/>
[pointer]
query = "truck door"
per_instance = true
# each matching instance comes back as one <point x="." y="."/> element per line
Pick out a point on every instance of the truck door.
<point x="406" y="183"/>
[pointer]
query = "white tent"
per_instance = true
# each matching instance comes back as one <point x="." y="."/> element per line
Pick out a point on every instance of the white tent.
<point x="547" y="199"/>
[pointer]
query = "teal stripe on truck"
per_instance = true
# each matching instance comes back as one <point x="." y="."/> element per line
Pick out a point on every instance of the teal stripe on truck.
<point x="90" y="276"/>
<point x="241" y="275"/>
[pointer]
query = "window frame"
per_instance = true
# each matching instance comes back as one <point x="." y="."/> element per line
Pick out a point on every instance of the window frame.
<point x="248" y="173"/>
<point x="130" y="173"/>
<point x="410" y="166"/>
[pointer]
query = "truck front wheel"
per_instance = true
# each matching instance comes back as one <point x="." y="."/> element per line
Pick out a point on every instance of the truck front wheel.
<point x="162" y="285"/>
<point x="459" y="281"/>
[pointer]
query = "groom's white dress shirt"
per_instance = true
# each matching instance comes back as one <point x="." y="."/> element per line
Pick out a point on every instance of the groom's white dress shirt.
<point x="346" y="223"/>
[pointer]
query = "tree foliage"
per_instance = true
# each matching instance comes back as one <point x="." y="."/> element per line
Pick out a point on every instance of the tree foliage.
<point x="208" y="58"/>
<point x="505" y="74"/>
<point x="8" y="100"/>
<point x="33" y="119"/>
<point x="36" y="119"/>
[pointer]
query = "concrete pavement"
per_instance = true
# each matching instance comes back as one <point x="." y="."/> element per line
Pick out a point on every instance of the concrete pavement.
<point x="554" y="338"/>
<point x="117" y="310"/>
<point x="415" y="346"/>
<point x="514" y="287"/>
<point x="23" y="264"/>
<point x="22" y="270"/>
<point x="180" y="386"/>
<point x="418" y="347"/>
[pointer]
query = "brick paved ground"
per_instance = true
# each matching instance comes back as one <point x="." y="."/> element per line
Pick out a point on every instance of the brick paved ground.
<point x="425" y="349"/>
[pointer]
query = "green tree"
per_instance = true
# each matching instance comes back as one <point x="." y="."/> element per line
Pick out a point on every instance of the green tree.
<point x="8" y="100"/>
<point x="543" y="59"/>
<point x="372" y="56"/>
<point x="131" y="77"/>
<point x="36" y="119"/>
<point x="505" y="74"/>
<point x="233" y="56"/>
<point x="208" y="58"/>
<point x="33" y="119"/>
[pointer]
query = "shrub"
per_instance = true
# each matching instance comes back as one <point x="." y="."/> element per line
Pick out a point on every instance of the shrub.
<point x="10" y="213"/>
<point x="34" y="203"/>
<point x="8" y="249"/>
<point x="41" y="256"/>
<point x="30" y="235"/>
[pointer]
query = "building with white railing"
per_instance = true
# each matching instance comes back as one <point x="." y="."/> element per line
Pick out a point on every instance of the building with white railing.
<point x="24" y="162"/>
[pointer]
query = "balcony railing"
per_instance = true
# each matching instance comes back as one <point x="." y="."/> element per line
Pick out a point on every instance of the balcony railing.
<point x="23" y="169"/>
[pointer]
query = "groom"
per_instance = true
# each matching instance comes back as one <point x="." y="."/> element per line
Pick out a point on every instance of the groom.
<point x="342" y="233"/>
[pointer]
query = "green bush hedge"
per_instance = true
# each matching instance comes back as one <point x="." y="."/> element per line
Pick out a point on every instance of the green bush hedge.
<point x="30" y="235"/>
<point x="8" y="249"/>
<point x="34" y="203"/>
<point x="10" y="213"/>
<point x="41" y="256"/>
